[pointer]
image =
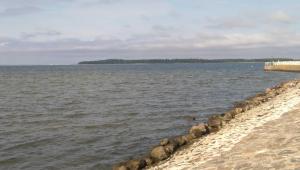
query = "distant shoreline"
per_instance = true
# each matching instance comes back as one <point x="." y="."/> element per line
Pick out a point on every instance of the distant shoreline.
<point x="174" y="61"/>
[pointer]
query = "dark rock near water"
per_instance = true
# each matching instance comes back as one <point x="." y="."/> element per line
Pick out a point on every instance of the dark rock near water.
<point x="164" y="142"/>
<point x="199" y="130"/>
<point x="136" y="164"/>
<point x="120" y="167"/>
<point x="148" y="161"/>
<point x="189" y="138"/>
<point x="228" y="116"/>
<point x="171" y="147"/>
<point x="159" y="153"/>
<point x="180" y="140"/>
<point x="215" y="123"/>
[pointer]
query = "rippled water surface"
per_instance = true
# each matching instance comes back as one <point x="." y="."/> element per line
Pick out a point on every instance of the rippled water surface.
<point x="91" y="116"/>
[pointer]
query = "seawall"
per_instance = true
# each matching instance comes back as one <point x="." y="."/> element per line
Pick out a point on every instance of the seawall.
<point x="173" y="151"/>
<point x="289" y="66"/>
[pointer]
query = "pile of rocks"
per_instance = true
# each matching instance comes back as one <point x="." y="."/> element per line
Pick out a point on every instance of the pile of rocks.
<point x="167" y="146"/>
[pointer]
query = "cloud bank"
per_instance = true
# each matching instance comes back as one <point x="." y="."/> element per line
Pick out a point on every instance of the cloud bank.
<point x="69" y="31"/>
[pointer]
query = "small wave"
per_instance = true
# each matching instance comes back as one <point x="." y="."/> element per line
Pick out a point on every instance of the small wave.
<point x="30" y="144"/>
<point x="10" y="161"/>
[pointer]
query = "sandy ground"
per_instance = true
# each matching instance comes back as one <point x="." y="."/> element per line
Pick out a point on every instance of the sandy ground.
<point x="265" y="137"/>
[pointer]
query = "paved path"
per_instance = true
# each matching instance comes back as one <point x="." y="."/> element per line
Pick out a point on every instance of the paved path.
<point x="275" y="145"/>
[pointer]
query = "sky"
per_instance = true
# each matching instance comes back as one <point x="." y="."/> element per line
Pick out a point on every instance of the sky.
<point x="46" y="32"/>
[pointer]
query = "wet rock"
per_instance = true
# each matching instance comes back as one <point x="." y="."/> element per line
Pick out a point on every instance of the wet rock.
<point x="171" y="147"/>
<point x="190" y="118"/>
<point x="180" y="140"/>
<point x="148" y="161"/>
<point x="188" y="138"/>
<point x="215" y="123"/>
<point x="136" y="164"/>
<point x="120" y="167"/>
<point x="159" y="153"/>
<point x="198" y="130"/>
<point x="228" y="116"/>
<point x="164" y="142"/>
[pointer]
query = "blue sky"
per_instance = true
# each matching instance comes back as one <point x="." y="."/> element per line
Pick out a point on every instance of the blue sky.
<point x="69" y="31"/>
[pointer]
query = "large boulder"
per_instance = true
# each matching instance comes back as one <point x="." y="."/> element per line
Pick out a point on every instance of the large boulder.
<point x="215" y="123"/>
<point x="198" y="130"/>
<point x="159" y="153"/>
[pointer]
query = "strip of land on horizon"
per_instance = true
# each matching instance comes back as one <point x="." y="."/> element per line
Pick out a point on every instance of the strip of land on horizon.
<point x="170" y="61"/>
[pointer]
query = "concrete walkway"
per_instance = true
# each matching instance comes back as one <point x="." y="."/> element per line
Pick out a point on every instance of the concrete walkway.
<point x="275" y="145"/>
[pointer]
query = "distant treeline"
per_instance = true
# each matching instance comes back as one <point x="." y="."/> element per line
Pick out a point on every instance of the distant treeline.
<point x="167" y="61"/>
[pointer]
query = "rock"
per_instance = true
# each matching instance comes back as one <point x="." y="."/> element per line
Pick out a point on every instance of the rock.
<point x="288" y="85"/>
<point x="239" y="104"/>
<point x="171" y="147"/>
<point x="190" y="118"/>
<point x="159" y="153"/>
<point x="198" y="130"/>
<point x="180" y="140"/>
<point x="188" y="138"/>
<point x="245" y="108"/>
<point x="257" y="100"/>
<point x="164" y="142"/>
<point x="238" y="110"/>
<point x="136" y="164"/>
<point x="120" y="167"/>
<point x="268" y="90"/>
<point x="228" y="116"/>
<point x="148" y="161"/>
<point x="215" y="123"/>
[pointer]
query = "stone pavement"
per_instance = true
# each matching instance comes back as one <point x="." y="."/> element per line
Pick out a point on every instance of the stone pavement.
<point x="275" y="145"/>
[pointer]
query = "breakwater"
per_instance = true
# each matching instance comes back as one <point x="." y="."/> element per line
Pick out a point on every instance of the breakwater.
<point x="167" y="147"/>
<point x="290" y="66"/>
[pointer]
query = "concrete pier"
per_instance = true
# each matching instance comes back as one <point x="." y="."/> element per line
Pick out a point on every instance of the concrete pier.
<point x="290" y="66"/>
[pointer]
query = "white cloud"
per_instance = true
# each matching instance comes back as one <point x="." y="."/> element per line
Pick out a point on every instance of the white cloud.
<point x="281" y="16"/>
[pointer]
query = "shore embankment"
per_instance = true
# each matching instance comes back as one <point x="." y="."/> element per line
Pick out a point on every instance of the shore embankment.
<point x="287" y="66"/>
<point x="208" y="141"/>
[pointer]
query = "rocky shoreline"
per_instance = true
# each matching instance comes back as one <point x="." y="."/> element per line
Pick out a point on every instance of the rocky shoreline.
<point x="167" y="147"/>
